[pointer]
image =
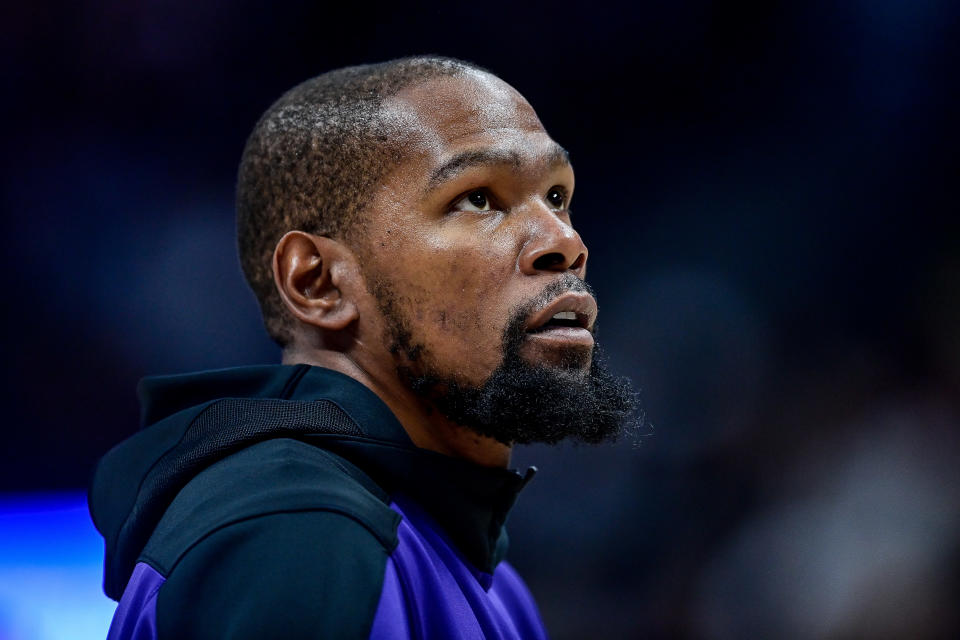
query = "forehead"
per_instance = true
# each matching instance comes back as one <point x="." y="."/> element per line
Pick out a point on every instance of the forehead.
<point x="454" y="106"/>
<point x="474" y="111"/>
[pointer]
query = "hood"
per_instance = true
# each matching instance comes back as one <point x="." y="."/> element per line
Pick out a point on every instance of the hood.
<point x="192" y="421"/>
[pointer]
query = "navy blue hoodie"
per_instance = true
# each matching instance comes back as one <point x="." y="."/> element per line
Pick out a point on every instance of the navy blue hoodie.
<point x="287" y="501"/>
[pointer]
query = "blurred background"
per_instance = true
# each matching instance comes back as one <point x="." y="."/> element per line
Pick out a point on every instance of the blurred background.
<point x="766" y="189"/>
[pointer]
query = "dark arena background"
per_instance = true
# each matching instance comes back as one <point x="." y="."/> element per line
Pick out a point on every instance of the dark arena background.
<point x="769" y="193"/>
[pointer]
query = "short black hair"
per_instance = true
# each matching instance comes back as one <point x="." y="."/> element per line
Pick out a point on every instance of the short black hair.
<point x="312" y="161"/>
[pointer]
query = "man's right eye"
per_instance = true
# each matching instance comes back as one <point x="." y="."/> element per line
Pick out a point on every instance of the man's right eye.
<point x="474" y="201"/>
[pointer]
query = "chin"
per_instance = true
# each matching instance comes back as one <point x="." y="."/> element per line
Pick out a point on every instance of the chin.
<point x="571" y="359"/>
<point x="525" y="400"/>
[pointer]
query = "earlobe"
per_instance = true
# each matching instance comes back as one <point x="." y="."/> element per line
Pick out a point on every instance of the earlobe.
<point x="308" y="273"/>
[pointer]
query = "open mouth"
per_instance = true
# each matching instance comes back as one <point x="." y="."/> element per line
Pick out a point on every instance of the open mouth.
<point x="570" y="310"/>
<point x="563" y="319"/>
<point x="565" y="323"/>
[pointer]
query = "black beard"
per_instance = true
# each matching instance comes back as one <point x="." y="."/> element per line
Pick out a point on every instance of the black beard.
<point x="522" y="403"/>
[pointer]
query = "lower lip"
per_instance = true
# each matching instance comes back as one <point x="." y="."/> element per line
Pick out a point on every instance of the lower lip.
<point x="563" y="337"/>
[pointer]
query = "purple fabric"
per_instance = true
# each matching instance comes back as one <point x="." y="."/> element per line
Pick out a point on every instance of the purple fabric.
<point x="431" y="591"/>
<point x="136" y="615"/>
<point x="390" y="620"/>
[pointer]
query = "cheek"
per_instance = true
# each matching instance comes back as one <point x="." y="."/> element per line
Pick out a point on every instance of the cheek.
<point x="460" y="298"/>
<point x="460" y="307"/>
<point x="455" y="285"/>
<point x="472" y="291"/>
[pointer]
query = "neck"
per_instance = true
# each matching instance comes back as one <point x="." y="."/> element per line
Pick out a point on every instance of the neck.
<point x="427" y="427"/>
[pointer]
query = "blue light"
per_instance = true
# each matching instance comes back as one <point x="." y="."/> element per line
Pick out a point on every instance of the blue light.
<point x="51" y="562"/>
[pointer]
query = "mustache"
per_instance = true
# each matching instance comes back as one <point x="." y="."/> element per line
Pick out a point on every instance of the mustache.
<point x="567" y="282"/>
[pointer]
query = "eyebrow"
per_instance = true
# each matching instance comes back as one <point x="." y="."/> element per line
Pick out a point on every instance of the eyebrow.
<point x="459" y="163"/>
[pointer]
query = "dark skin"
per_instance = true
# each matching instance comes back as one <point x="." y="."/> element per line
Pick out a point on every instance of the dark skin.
<point x="473" y="224"/>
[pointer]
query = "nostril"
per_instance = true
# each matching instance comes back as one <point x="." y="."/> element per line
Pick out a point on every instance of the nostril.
<point x="578" y="262"/>
<point x="549" y="261"/>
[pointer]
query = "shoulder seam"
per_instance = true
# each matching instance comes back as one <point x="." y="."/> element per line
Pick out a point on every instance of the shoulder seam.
<point x="336" y="460"/>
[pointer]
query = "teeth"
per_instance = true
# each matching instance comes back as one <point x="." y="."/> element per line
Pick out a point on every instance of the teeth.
<point x="564" y="315"/>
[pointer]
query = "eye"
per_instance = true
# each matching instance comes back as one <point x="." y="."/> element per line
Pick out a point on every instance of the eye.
<point x="474" y="201"/>
<point x="557" y="197"/>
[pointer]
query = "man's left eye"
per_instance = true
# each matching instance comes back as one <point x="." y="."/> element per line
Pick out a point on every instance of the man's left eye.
<point x="556" y="197"/>
<point x="473" y="201"/>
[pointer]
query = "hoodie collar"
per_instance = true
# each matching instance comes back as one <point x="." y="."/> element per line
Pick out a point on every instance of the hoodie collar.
<point x="470" y="502"/>
<point x="164" y="396"/>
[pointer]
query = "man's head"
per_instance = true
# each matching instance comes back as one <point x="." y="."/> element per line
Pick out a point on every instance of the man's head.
<point x="433" y="247"/>
<point x="313" y="162"/>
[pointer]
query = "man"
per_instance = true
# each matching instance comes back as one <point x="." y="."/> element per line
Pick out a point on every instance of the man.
<point x="406" y="228"/>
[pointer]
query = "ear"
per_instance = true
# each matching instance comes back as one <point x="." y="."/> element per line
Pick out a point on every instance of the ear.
<point x="310" y="273"/>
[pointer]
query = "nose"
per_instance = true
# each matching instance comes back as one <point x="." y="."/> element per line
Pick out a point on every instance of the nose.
<point x="553" y="245"/>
